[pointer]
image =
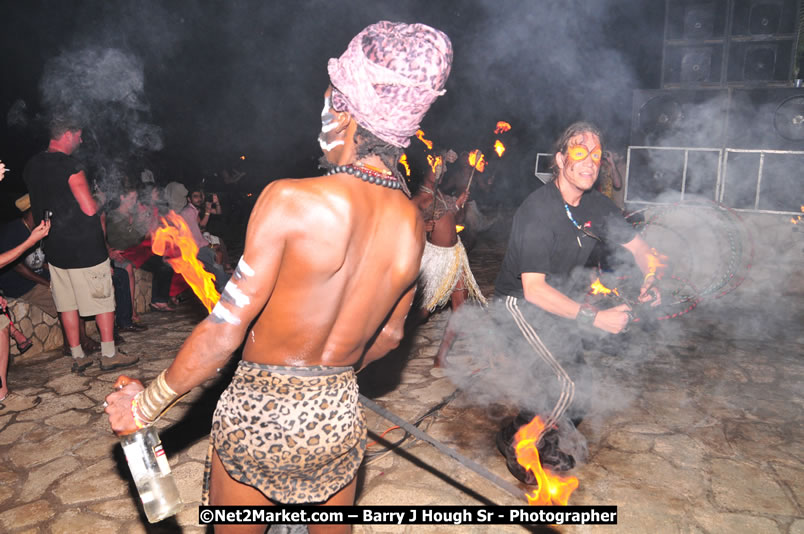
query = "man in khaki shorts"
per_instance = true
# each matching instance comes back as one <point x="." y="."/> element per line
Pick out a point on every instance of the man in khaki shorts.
<point x="75" y="249"/>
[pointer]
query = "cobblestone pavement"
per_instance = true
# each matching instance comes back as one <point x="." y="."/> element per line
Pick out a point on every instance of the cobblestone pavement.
<point x="710" y="443"/>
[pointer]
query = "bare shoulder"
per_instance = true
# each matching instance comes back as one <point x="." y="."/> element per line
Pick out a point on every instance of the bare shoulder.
<point x="288" y="201"/>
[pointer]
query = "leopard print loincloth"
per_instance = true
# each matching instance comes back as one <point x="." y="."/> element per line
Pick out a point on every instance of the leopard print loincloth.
<point x="297" y="434"/>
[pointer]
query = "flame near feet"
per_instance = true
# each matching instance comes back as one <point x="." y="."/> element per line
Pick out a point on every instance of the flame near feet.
<point x="552" y="489"/>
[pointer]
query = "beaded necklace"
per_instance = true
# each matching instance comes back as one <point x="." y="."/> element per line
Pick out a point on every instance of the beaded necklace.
<point x="584" y="230"/>
<point x="570" y="217"/>
<point x="574" y="223"/>
<point x="368" y="175"/>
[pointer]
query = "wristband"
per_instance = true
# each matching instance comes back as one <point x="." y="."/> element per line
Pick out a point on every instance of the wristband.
<point x="154" y="399"/>
<point x="586" y="315"/>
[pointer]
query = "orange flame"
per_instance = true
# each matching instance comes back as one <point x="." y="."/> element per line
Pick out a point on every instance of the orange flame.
<point x="477" y="160"/>
<point x="499" y="148"/>
<point x="458" y="228"/>
<point x="655" y="263"/>
<point x="553" y="489"/>
<point x="175" y="234"/>
<point x="795" y="220"/>
<point x="502" y="127"/>
<point x="243" y="157"/>
<point x="599" y="289"/>
<point x="404" y="162"/>
<point x="434" y="162"/>
<point x="420" y="137"/>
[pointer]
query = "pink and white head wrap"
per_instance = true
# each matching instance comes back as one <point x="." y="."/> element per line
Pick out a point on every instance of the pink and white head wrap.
<point x="389" y="76"/>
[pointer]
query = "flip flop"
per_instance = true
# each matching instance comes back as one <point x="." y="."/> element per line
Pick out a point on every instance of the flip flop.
<point x="23" y="347"/>
<point x="165" y="308"/>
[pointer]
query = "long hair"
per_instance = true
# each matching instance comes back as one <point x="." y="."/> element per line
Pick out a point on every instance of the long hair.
<point x="573" y="130"/>
<point x="368" y="144"/>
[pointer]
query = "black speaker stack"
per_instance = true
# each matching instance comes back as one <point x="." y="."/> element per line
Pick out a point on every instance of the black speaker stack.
<point x="716" y="43"/>
<point x="729" y="95"/>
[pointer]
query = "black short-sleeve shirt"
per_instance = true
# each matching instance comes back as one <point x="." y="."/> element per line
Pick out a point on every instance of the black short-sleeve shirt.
<point x="75" y="240"/>
<point x="544" y="240"/>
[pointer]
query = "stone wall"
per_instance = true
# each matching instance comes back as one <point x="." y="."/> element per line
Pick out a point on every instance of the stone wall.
<point x="45" y="330"/>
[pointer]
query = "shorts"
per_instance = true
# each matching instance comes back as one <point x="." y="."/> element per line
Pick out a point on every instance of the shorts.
<point x="4" y="322"/>
<point x="297" y="434"/>
<point x="88" y="290"/>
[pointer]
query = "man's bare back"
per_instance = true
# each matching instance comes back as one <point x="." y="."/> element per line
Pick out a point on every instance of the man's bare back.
<point x="331" y="258"/>
<point x="326" y="280"/>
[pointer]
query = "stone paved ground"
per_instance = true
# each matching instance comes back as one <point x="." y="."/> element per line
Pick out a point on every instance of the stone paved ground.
<point x="710" y="443"/>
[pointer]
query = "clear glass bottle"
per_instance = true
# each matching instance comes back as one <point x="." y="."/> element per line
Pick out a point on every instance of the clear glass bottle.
<point x="150" y="470"/>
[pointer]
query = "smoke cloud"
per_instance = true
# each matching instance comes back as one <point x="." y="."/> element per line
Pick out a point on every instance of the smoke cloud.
<point x="103" y="89"/>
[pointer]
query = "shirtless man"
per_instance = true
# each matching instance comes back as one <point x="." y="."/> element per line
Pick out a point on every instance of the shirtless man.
<point x="328" y="271"/>
<point x="445" y="273"/>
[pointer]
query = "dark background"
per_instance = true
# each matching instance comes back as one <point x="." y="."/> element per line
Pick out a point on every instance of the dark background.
<point x="189" y="88"/>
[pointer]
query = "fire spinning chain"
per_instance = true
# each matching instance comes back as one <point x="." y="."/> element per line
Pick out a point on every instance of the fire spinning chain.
<point x="728" y="228"/>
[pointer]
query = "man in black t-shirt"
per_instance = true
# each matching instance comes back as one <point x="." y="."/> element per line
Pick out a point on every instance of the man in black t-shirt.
<point x="553" y="233"/>
<point x="80" y="273"/>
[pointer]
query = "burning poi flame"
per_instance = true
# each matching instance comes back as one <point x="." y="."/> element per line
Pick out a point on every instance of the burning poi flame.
<point x="553" y="489"/>
<point x="404" y="162"/>
<point x="420" y="136"/>
<point x="795" y="220"/>
<point x="458" y="228"/>
<point x="655" y="263"/>
<point x="175" y="234"/>
<point x="477" y="160"/>
<point x="434" y="161"/>
<point x="499" y="148"/>
<point x="502" y="127"/>
<point x="597" y="288"/>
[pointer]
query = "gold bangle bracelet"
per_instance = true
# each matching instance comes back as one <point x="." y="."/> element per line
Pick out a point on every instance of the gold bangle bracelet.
<point x="155" y="398"/>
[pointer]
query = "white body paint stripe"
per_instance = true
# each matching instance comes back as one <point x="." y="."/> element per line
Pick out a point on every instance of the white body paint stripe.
<point x="240" y="298"/>
<point x="225" y="315"/>
<point x="245" y="268"/>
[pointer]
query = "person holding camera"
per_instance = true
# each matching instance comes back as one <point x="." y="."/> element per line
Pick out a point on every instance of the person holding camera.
<point x="207" y="255"/>
<point x="10" y="402"/>
<point x="78" y="260"/>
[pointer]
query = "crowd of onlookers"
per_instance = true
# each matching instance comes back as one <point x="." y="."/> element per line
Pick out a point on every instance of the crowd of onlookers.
<point x="43" y="253"/>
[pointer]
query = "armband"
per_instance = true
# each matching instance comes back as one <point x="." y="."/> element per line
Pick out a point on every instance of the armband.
<point x="586" y="315"/>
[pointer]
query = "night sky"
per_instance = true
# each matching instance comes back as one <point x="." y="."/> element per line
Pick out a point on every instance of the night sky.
<point x="187" y="88"/>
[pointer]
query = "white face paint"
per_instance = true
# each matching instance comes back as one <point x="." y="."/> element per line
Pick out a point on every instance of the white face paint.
<point x="326" y="147"/>
<point x="233" y="293"/>
<point x="327" y="119"/>
<point x="224" y="315"/>
<point x="328" y="123"/>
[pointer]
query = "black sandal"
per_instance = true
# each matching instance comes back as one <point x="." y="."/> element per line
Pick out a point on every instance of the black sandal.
<point x="24" y="346"/>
